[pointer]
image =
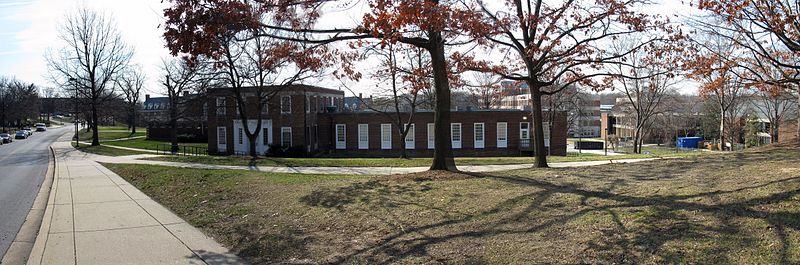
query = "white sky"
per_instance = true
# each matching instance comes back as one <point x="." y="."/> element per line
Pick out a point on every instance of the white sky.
<point x="28" y="29"/>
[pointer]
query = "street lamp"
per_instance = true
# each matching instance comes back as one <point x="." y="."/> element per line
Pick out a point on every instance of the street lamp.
<point x="75" y="110"/>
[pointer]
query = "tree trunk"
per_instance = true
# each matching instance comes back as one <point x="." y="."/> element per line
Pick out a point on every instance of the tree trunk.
<point x="442" y="152"/>
<point x="253" y="144"/>
<point x="133" y="120"/>
<point x="538" y="126"/>
<point x="722" y="131"/>
<point x="173" y="127"/>
<point x="637" y="139"/>
<point x="95" y="134"/>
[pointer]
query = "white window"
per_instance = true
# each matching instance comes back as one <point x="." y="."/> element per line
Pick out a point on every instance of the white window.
<point x="222" y="139"/>
<point x="241" y="136"/>
<point x="386" y="136"/>
<point x="363" y="136"/>
<point x="455" y="134"/>
<point x="264" y="136"/>
<point x="221" y="106"/>
<point x="479" y="136"/>
<point x="410" y="136"/>
<point x="341" y="136"/>
<point x="308" y="104"/>
<point x="286" y="136"/>
<point x="525" y="130"/>
<point x="502" y="135"/>
<point x="265" y="107"/>
<point x="286" y="104"/>
<point x="431" y="136"/>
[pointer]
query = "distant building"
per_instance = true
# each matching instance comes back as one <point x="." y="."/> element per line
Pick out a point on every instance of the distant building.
<point x="191" y="123"/>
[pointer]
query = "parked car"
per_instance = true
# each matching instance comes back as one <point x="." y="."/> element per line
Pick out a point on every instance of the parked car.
<point x="6" y="138"/>
<point x="28" y="131"/>
<point x="21" y="135"/>
<point x="40" y="127"/>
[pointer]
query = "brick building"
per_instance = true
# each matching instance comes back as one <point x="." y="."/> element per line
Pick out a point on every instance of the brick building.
<point x="310" y="120"/>
<point x="472" y="133"/>
<point x="290" y="119"/>
<point x="191" y="119"/>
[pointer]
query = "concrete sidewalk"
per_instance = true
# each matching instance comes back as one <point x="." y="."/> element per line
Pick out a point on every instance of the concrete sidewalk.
<point x="95" y="217"/>
<point x="135" y="159"/>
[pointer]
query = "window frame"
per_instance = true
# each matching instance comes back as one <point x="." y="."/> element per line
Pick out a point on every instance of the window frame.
<point x="479" y="144"/>
<point x="411" y="133"/>
<point x="283" y="139"/>
<point x="222" y="105"/>
<point x="340" y="138"/>
<point x="527" y="131"/>
<point x="288" y="106"/>
<point x="431" y="136"/>
<point x="502" y="142"/>
<point x="456" y="144"/>
<point x="386" y="133"/>
<point x="363" y="132"/>
<point x="222" y="138"/>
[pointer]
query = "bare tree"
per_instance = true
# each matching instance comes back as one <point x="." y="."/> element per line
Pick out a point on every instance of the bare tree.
<point x="405" y="70"/>
<point x="18" y="102"/>
<point x="180" y="78"/>
<point x="131" y="82"/>
<point x="93" y="57"/>
<point x="485" y="92"/>
<point x="645" y="82"/>
<point x="775" y="107"/>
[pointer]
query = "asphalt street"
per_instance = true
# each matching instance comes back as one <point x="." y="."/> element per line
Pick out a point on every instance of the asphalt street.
<point x="23" y="165"/>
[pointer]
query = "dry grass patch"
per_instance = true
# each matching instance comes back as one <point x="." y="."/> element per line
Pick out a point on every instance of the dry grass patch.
<point x="740" y="208"/>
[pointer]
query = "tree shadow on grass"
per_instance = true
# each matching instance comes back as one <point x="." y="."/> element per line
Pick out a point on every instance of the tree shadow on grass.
<point x="635" y="228"/>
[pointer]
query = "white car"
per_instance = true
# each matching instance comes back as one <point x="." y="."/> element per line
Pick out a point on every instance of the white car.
<point x="40" y="127"/>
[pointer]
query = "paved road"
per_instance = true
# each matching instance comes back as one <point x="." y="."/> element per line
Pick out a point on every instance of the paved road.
<point x="23" y="165"/>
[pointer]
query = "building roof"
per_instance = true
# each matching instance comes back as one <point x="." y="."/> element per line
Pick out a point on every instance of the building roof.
<point x="293" y="87"/>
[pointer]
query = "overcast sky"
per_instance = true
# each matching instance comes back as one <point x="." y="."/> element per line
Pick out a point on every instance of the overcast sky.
<point x="28" y="30"/>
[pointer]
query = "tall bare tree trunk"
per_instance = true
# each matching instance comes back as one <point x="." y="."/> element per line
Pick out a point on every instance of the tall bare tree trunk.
<point x="722" y="130"/>
<point x="95" y="136"/>
<point x="540" y="155"/>
<point x="442" y="152"/>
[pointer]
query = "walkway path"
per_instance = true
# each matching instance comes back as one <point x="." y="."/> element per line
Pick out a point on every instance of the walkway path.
<point x="95" y="217"/>
<point x="135" y="159"/>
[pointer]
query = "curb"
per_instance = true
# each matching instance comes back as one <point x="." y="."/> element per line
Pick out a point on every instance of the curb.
<point x="28" y="235"/>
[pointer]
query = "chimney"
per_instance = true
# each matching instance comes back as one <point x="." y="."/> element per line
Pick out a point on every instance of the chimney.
<point x="146" y="96"/>
<point x="359" y="96"/>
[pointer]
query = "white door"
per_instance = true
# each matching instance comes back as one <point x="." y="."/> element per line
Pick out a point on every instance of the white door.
<point x="241" y="144"/>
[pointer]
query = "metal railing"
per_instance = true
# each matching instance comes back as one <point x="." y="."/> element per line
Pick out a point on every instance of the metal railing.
<point x="183" y="150"/>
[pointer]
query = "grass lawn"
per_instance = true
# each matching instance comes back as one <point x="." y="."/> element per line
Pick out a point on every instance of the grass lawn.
<point x="737" y="208"/>
<point x="395" y="162"/>
<point x="111" y="133"/>
<point x="149" y="144"/>
<point x="107" y="151"/>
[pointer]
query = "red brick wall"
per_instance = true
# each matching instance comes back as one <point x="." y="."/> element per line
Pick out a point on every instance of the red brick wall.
<point x="298" y="119"/>
<point x="466" y="118"/>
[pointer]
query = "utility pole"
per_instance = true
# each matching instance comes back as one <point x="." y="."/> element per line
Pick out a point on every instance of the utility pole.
<point x="75" y="111"/>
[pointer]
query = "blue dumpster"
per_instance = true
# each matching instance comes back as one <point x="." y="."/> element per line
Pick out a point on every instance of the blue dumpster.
<point x="689" y="142"/>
